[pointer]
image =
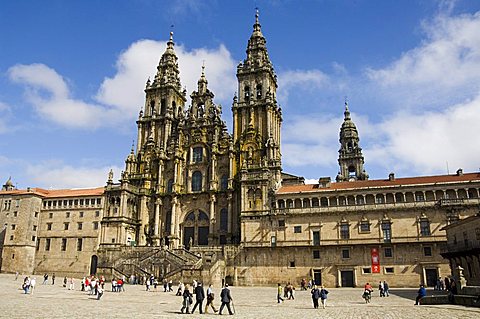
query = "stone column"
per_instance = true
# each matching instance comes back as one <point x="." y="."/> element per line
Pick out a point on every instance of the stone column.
<point x="212" y="236"/>
<point x="158" y="203"/>
<point x="143" y="216"/>
<point x="174" y="224"/>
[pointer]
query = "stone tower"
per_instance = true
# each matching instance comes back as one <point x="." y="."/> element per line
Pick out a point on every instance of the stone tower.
<point x="177" y="186"/>
<point x="256" y="126"/>
<point x="350" y="156"/>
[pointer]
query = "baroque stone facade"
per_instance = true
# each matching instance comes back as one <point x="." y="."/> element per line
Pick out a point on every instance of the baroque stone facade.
<point x="195" y="201"/>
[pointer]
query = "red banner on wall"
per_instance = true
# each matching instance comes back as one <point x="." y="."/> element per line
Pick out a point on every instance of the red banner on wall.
<point x="375" y="260"/>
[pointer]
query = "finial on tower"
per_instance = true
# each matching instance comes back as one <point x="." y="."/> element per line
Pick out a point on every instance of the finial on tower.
<point x="347" y="111"/>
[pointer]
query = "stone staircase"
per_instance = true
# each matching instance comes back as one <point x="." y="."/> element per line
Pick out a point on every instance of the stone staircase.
<point x="162" y="263"/>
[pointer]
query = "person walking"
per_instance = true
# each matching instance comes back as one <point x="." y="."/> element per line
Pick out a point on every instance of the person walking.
<point x="33" y="283"/>
<point x="279" y="293"/>
<point x="323" y="296"/>
<point x="381" y="289"/>
<point x="386" y="289"/>
<point x="53" y="279"/>
<point x="226" y="298"/>
<point x="45" y="279"/>
<point x="26" y="284"/>
<point x="199" y="297"/>
<point x="210" y="298"/>
<point x="187" y="299"/>
<point x="315" y="296"/>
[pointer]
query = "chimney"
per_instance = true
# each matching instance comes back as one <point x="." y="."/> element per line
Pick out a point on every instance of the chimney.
<point x="324" y="182"/>
<point x="459" y="172"/>
<point x="391" y="176"/>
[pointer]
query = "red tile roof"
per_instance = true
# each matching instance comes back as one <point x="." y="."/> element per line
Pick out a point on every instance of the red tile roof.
<point x="55" y="193"/>
<point x="379" y="183"/>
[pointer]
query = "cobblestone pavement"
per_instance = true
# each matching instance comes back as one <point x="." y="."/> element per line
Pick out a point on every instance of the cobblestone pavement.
<point x="54" y="301"/>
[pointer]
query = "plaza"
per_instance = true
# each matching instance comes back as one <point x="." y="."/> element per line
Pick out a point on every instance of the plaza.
<point x="55" y="301"/>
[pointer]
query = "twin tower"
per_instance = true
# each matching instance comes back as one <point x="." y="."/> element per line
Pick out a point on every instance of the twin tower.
<point x="189" y="181"/>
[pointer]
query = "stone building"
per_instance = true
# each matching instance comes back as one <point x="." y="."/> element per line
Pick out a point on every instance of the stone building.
<point x="196" y="202"/>
<point x="50" y="231"/>
<point x="463" y="248"/>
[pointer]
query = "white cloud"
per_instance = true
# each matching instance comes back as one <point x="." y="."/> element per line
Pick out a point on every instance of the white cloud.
<point x="444" y="69"/>
<point x="303" y="79"/>
<point x="427" y="142"/>
<point x="56" y="174"/>
<point x="48" y="92"/>
<point x="308" y="141"/>
<point x="434" y="96"/>
<point x="4" y="114"/>
<point x="120" y="97"/>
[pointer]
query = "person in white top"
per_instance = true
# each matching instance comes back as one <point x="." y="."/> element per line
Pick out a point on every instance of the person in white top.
<point x="71" y="286"/>
<point x="33" y="282"/>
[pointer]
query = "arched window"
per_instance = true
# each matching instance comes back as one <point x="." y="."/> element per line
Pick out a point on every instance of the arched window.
<point x="259" y="91"/>
<point x="162" y="106"/>
<point x="170" y="186"/>
<point x="247" y="92"/>
<point x="224" y="219"/>
<point x="224" y="182"/>
<point x="168" y="222"/>
<point x="152" y="107"/>
<point x="196" y="181"/>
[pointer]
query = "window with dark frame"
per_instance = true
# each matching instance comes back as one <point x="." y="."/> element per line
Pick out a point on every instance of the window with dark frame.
<point x="425" y="227"/>
<point x="344" y="231"/>
<point x="365" y="226"/>
<point x="367" y="270"/>
<point x="197" y="154"/>
<point x="388" y="252"/>
<point x="47" y="244"/>
<point x="389" y="270"/>
<point x="281" y="223"/>
<point x="316" y="254"/>
<point x="427" y="251"/>
<point x="297" y="229"/>
<point x="316" y="237"/>
<point x="387" y="231"/>
<point x="64" y="244"/>
<point x="79" y="244"/>
<point x="345" y="253"/>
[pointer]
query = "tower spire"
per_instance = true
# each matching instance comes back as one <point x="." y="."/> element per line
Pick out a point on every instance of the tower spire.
<point x="350" y="156"/>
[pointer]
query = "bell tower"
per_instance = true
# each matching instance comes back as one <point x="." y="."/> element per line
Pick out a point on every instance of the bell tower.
<point x="350" y="156"/>
<point x="257" y="121"/>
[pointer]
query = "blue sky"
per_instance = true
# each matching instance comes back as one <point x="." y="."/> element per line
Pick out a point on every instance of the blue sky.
<point x="72" y="75"/>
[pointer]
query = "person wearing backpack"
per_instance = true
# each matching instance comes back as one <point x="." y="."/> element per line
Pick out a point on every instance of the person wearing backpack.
<point x="323" y="296"/>
<point x="315" y="296"/>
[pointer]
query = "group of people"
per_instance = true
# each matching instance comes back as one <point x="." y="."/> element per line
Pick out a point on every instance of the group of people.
<point x="28" y="285"/>
<point x="197" y="289"/>
<point x="95" y="286"/>
<point x="45" y="279"/>
<point x="288" y="292"/>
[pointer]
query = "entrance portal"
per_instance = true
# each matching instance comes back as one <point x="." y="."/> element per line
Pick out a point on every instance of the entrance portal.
<point x="346" y="277"/>
<point x="431" y="277"/>
<point x="196" y="229"/>
<point x="317" y="277"/>
<point x="93" y="265"/>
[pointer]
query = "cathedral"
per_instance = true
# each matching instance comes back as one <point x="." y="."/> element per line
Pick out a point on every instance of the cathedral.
<point x="198" y="202"/>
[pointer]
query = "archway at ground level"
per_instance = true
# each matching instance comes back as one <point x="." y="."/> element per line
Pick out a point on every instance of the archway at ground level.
<point x="196" y="229"/>
<point x="93" y="265"/>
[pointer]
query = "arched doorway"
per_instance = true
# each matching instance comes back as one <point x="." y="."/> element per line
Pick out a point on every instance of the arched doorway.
<point x="195" y="229"/>
<point x="93" y="265"/>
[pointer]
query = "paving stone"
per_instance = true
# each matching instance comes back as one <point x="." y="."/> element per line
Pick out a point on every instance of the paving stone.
<point x="50" y="301"/>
